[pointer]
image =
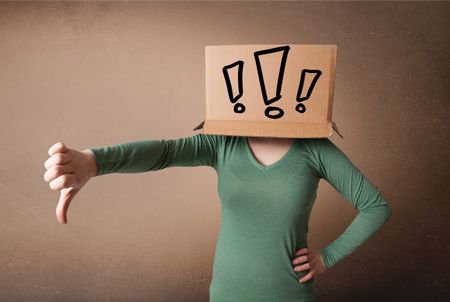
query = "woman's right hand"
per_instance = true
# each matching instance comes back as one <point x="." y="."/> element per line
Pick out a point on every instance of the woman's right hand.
<point x="68" y="170"/>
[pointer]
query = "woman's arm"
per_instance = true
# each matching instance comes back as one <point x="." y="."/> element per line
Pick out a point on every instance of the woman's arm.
<point x="373" y="210"/>
<point x="150" y="155"/>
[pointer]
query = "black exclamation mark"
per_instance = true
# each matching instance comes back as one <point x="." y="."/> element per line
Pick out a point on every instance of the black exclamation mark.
<point x="272" y="111"/>
<point x="238" y="108"/>
<point x="301" y="107"/>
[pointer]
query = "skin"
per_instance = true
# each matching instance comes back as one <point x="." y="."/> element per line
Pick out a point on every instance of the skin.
<point x="68" y="170"/>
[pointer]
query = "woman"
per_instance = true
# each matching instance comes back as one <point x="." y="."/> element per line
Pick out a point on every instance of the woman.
<point x="267" y="187"/>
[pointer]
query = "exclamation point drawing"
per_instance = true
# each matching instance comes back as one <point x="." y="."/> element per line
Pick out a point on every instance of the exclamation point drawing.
<point x="270" y="55"/>
<point x="301" y="107"/>
<point x="237" y="76"/>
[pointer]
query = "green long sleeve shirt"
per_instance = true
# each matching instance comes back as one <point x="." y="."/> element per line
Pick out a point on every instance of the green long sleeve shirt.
<point x="264" y="209"/>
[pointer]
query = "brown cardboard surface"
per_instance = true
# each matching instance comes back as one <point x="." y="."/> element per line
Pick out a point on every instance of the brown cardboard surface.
<point x="270" y="90"/>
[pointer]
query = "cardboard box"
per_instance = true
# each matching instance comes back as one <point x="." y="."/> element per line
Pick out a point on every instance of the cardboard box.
<point x="270" y="90"/>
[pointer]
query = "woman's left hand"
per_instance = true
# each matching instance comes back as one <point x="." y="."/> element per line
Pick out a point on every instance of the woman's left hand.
<point x="308" y="259"/>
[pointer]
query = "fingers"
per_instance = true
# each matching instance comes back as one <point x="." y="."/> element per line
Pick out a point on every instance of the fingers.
<point x="302" y="251"/>
<point x="57" y="159"/>
<point x="305" y="258"/>
<point x="57" y="148"/>
<point x="302" y="267"/>
<point x="62" y="182"/>
<point x="61" y="178"/>
<point x="307" y="277"/>
<point x="301" y="259"/>
<point x="63" y="204"/>
<point x="56" y="171"/>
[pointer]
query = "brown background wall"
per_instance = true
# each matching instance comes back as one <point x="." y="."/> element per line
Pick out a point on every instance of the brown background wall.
<point x="94" y="74"/>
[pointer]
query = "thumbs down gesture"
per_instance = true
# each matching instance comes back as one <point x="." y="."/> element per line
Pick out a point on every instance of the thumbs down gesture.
<point x="67" y="171"/>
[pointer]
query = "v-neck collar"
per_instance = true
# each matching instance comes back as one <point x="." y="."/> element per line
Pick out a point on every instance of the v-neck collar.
<point x="259" y="165"/>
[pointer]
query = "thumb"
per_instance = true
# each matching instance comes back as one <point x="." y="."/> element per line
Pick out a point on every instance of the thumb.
<point x="67" y="194"/>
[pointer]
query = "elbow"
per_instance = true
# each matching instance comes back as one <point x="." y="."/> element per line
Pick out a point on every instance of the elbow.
<point x="381" y="213"/>
<point x="387" y="213"/>
<point x="390" y="211"/>
<point x="384" y="208"/>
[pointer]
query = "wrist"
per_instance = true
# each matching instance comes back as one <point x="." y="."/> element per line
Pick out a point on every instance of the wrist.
<point x="325" y="258"/>
<point x="92" y="162"/>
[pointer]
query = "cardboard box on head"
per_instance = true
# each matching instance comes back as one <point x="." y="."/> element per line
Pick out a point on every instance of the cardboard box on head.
<point x="270" y="90"/>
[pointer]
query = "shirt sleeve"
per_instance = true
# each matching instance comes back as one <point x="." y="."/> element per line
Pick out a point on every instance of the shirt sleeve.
<point x="373" y="210"/>
<point x="151" y="155"/>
